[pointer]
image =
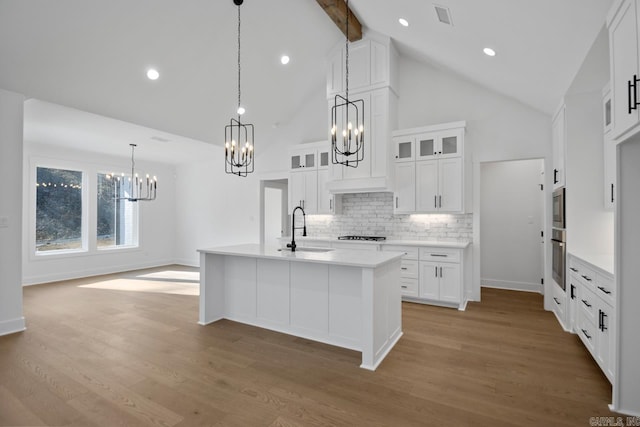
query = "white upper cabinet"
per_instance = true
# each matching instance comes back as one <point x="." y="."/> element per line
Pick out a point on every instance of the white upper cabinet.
<point x="609" y="152"/>
<point x="439" y="172"/>
<point x="439" y="145"/>
<point x="308" y="177"/>
<point x="405" y="185"/>
<point x="303" y="158"/>
<point x="558" y="138"/>
<point x="405" y="148"/>
<point x="371" y="65"/>
<point x="622" y="22"/>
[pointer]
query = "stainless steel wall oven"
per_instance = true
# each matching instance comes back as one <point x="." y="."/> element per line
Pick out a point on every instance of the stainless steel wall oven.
<point x="558" y="243"/>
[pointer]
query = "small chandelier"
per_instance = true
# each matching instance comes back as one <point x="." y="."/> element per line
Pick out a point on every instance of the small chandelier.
<point x="238" y="136"/>
<point x="347" y="148"/>
<point x="134" y="187"/>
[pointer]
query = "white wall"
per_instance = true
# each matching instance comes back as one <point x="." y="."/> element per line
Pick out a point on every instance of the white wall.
<point x="589" y="225"/>
<point x="214" y="208"/>
<point x="157" y="219"/>
<point x="222" y="209"/>
<point x="11" y="125"/>
<point x="510" y="224"/>
<point x="498" y="128"/>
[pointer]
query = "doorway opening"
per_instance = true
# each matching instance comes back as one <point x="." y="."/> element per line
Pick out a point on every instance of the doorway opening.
<point x="512" y="224"/>
<point x="274" y="218"/>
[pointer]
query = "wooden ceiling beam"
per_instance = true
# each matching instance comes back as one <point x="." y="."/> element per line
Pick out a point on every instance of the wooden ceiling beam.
<point x="337" y="11"/>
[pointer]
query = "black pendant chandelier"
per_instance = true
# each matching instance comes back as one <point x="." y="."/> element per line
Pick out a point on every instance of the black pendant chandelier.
<point x="134" y="188"/>
<point x="347" y="121"/>
<point x="238" y="136"/>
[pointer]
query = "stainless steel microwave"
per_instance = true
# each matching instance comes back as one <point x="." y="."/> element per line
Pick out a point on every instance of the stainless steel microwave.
<point x="558" y="208"/>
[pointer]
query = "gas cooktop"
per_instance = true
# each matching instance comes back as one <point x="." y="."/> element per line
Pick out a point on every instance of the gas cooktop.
<point x="373" y="238"/>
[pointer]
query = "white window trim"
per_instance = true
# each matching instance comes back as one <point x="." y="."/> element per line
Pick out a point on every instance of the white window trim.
<point x="89" y="208"/>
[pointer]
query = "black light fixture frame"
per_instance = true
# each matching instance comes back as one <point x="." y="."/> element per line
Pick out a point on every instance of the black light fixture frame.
<point x="349" y="152"/>
<point x="239" y="153"/>
<point x="238" y="136"/>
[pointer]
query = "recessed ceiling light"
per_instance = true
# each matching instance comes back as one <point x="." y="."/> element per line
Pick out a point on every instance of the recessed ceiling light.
<point x="152" y="74"/>
<point x="403" y="22"/>
<point x="489" y="52"/>
<point x="284" y="59"/>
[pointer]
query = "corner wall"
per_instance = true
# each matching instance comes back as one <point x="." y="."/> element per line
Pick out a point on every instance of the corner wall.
<point x="11" y="125"/>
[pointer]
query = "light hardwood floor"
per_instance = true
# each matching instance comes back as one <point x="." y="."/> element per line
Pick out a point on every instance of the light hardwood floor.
<point x="126" y="350"/>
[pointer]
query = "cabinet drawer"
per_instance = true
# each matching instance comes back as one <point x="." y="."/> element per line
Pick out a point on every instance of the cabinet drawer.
<point x="586" y="330"/>
<point x="439" y="255"/>
<point x="411" y="252"/>
<point x="409" y="269"/>
<point x="587" y="304"/>
<point x="409" y="287"/>
<point x="585" y="274"/>
<point x="559" y="300"/>
<point x="605" y="287"/>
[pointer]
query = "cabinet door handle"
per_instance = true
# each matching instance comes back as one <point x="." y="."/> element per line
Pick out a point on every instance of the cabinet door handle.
<point x="440" y="271"/>
<point x="573" y="269"/>
<point x="435" y="201"/>
<point x="586" y="334"/>
<point x="587" y="278"/>
<point x="440" y="201"/>
<point x="555" y="176"/>
<point x="403" y="268"/>
<point x="602" y="316"/>
<point x="611" y="192"/>
<point x="403" y="286"/>
<point x="396" y="202"/>
<point x="556" y="300"/>
<point x="604" y="290"/>
<point x="436" y="270"/>
<point x="573" y="293"/>
<point x="633" y="97"/>
<point x="330" y="204"/>
<point x="586" y="303"/>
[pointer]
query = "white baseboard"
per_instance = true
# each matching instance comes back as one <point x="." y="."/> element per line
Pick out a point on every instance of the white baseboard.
<point x="514" y="286"/>
<point x="78" y="274"/>
<point x="12" y="326"/>
<point x="187" y="262"/>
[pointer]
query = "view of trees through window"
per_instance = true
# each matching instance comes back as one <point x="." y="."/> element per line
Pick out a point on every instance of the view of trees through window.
<point x="58" y="209"/>
<point x="116" y="217"/>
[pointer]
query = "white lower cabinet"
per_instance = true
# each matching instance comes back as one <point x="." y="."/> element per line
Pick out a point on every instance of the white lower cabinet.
<point x="595" y="316"/>
<point x="441" y="275"/>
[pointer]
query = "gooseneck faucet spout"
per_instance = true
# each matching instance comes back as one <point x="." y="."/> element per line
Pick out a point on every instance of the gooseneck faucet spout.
<point x="292" y="245"/>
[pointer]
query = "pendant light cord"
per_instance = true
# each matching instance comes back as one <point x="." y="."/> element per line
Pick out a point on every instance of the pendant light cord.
<point x="238" y="60"/>
<point x="347" y="54"/>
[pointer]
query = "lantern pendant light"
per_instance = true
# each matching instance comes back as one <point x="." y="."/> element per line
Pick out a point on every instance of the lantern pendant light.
<point x="347" y="121"/>
<point x="238" y="136"/>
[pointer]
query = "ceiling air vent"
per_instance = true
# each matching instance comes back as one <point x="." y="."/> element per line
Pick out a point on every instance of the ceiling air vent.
<point x="159" y="139"/>
<point x="444" y="15"/>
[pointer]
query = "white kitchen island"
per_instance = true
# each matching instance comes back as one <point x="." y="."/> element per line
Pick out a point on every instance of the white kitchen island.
<point x="347" y="298"/>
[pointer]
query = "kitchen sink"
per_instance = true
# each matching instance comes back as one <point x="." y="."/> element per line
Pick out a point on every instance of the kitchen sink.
<point x="307" y="249"/>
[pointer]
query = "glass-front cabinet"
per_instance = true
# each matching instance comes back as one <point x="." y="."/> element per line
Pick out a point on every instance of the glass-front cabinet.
<point x="303" y="158"/>
<point x="405" y="147"/>
<point x="439" y="145"/>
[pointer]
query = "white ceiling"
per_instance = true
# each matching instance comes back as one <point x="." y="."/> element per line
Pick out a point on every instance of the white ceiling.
<point x="92" y="56"/>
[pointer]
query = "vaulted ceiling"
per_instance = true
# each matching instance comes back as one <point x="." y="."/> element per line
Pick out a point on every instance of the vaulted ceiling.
<point x="92" y="56"/>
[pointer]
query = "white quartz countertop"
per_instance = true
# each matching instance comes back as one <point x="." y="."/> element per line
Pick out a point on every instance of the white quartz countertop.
<point x="346" y="257"/>
<point x="604" y="262"/>
<point x="460" y="244"/>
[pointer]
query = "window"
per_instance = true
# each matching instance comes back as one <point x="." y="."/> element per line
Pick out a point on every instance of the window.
<point x="116" y="217"/>
<point x="58" y="210"/>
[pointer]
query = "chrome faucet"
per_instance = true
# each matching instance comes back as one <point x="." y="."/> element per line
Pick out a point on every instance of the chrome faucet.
<point x="292" y="245"/>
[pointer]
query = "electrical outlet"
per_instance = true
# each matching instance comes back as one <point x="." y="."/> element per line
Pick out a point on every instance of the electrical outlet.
<point x="4" y="221"/>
